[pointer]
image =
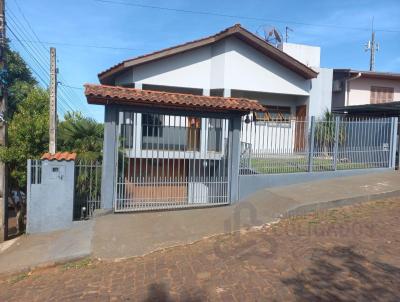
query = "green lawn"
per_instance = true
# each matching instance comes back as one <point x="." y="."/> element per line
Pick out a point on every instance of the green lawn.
<point x="300" y="164"/>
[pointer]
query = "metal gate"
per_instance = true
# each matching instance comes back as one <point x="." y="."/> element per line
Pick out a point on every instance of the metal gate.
<point x="87" y="188"/>
<point x="171" y="161"/>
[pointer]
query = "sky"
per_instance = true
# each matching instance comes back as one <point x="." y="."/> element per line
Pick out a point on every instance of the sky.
<point x="93" y="35"/>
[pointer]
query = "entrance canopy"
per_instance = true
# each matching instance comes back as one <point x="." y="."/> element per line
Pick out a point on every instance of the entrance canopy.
<point x="104" y="95"/>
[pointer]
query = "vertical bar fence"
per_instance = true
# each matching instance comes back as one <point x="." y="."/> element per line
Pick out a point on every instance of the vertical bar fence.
<point x="87" y="188"/>
<point x="317" y="145"/>
<point x="171" y="161"/>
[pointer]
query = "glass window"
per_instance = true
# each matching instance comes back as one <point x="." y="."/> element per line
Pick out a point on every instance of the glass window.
<point x="274" y="114"/>
<point x="379" y="95"/>
<point x="151" y="125"/>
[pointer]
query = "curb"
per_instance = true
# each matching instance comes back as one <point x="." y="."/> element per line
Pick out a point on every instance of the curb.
<point x="43" y="265"/>
<point x="297" y="211"/>
<point x="326" y="205"/>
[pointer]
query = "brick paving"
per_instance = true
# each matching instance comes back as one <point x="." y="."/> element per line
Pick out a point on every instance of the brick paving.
<point x="346" y="254"/>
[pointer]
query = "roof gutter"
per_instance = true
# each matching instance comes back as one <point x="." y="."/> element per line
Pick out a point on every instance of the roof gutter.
<point x="347" y="86"/>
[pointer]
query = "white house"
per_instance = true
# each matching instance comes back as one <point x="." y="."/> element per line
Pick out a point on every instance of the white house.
<point x="287" y="80"/>
<point x="233" y="67"/>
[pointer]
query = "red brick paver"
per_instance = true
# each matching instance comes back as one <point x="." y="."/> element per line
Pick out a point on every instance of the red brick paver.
<point x="347" y="254"/>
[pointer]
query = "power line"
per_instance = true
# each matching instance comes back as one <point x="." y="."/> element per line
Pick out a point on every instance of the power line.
<point x="66" y="94"/>
<point x="83" y="45"/>
<point x="33" y="52"/>
<point x="239" y="16"/>
<point x="29" y="25"/>
<point x="25" y="32"/>
<point x="64" y="103"/>
<point x="27" y="50"/>
<point x="38" y="57"/>
<point x="72" y="87"/>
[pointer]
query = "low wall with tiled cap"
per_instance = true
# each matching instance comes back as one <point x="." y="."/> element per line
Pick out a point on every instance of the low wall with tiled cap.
<point x="50" y="198"/>
<point x="59" y="156"/>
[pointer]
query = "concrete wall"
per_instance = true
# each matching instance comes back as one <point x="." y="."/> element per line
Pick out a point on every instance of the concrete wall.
<point x="248" y="69"/>
<point x="321" y="93"/>
<point x="306" y="54"/>
<point x="360" y="90"/>
<point x="250" y="184"/>
<point x="50" y="203"/>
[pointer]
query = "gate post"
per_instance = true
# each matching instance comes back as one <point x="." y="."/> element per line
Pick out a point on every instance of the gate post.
<point x="109" y="157"/>
<point x="235" y="157"/>
<point x="311" y="145"/>
<point x="393" y="145"/>
<point x="336" y="142"/>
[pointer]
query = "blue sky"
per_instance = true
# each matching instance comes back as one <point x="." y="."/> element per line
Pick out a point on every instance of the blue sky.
<point x="135" y="30"/>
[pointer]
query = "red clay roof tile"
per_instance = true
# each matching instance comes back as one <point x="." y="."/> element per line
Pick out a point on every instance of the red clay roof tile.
<point x="103" y="94"/>
<point x="59" y="156"/>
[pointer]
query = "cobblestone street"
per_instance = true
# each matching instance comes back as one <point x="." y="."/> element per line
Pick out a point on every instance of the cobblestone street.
<point x="345" y="254"/>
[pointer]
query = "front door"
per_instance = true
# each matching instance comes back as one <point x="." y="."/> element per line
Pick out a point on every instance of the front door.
<point x="194" y="133"/>
<point x="301" y="126"/>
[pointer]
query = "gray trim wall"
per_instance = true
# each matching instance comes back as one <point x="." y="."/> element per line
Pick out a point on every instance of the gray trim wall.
<point x="50" y="202"/>
<point x="109" y="156"/>
<point x="250" y="184"/>
<point x="234" y="138"/>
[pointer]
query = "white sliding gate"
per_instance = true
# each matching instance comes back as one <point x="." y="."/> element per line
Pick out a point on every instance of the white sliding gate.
<point x="171" y="161"/>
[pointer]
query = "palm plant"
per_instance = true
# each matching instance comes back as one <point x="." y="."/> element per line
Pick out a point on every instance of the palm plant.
<point x="82" y="135"/>
<point x="325" y="133"/>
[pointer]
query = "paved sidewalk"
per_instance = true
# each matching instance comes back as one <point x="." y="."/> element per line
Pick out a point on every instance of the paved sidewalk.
<point x="346" y="254"/>
<point x="29" y="251"/>
<point x="127" y="235"/>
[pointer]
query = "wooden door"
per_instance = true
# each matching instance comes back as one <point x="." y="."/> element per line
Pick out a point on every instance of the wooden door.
<point x="301" y="126"/>
<point x="194" y="134"/>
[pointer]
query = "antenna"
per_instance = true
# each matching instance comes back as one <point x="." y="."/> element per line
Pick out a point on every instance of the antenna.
<point x="287" y="29"/>
<point x="372" y="46"/>
<point x="270" y="34"/>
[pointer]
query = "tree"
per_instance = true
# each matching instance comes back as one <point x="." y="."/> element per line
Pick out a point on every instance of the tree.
<point x="80" y="134"/>
<point x="17" y="78"/>
<point x="28" y="134"/>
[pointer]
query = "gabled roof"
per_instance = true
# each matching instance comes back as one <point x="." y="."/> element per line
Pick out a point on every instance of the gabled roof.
<point x="237" y="30"/>
<point x="103" y="95"/>
<point x="371" y="74"/>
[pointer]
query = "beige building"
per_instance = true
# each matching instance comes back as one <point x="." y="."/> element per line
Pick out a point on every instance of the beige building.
<point x="357" y="91"/>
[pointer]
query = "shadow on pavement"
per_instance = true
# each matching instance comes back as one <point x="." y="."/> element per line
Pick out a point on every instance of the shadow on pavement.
<point x="159" y="292"/>
<point x="341" y="274"/>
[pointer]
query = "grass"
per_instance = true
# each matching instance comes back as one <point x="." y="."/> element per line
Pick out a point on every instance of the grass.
<point x="84" y="263"/>
<point x="18" y="278"/>
<point x="300" y="164"/>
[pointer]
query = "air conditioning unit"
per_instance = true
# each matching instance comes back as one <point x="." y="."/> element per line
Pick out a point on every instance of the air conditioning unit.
<point x="337" y="86"/>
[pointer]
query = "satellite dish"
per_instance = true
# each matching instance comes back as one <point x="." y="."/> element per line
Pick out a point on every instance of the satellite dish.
<point x="270" y="34"/>
<point x="277" y="36"/>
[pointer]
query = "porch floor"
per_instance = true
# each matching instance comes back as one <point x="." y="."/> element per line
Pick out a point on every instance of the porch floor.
<point x="136" y="234"/>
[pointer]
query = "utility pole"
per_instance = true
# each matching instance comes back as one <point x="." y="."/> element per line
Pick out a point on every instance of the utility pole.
<point x="53" y="101"/>
<point x="3" y="129"/>
<point x="372" y="47"/>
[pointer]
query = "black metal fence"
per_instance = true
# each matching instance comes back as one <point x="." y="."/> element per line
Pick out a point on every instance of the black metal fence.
<point x="87" y="188"/>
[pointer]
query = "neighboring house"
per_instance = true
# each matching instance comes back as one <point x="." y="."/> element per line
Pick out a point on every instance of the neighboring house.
<point x="366" y="92"/>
